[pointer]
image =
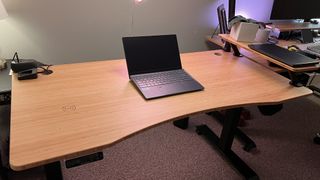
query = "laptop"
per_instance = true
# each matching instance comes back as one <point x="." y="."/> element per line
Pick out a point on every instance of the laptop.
<point x="283" y="55"/>
<point x="154" y="66"/>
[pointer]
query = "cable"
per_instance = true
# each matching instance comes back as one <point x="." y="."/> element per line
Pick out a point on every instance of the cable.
<point x="46" y="71"/>
<point x="315" y="73"/>
<point x="16" y="57"/>
<point x="132" y="17"/>
<point x="215" y="31"/>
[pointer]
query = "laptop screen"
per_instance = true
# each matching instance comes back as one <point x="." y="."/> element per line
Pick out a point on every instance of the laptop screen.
<point x="146" y="54"/>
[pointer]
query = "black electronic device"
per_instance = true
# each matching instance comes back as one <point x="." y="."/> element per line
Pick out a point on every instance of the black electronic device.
<point x="288" y="9"/>
<point x="154" y="66"/>
<point x="23" y="64"/>
<point x="28" y="74"/>
<point x="285" y="56"/>
<point x="223" y="25"/>
<point x="307" y="36"/>
<point x="18" y="65"/>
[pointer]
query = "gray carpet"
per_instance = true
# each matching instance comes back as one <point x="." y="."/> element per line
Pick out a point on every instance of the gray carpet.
<point x="285" y="150"/>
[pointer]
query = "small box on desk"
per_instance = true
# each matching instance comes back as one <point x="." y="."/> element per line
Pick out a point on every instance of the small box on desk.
<point x="245" y="32"/>
<point x="23" y="64"/>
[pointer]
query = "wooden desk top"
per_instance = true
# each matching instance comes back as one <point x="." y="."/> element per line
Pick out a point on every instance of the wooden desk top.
<point x="82" y="108"/>
<point x="290" y="26"/>
<point x="244" y="45"/>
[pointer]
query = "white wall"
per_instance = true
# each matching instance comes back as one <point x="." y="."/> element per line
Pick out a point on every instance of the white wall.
<point x="66" y="31"/>
<point x="258" y="10"/>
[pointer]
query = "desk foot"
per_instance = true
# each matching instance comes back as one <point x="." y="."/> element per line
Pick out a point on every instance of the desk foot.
<point x="3" y="172"/>
<point x="53" y="171"/>
<point x="249" y="144"/>
<point x="234" y="159"/>
<point x="182" y="123"/>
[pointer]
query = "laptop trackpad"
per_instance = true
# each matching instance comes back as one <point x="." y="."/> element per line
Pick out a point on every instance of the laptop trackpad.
<point x="170" y="89"/>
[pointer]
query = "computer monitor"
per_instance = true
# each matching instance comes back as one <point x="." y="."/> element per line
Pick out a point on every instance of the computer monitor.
<point x="301" y="9"/>
<point x="223" y="24"/>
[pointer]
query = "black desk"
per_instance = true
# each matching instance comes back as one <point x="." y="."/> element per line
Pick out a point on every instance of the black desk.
<point x="5" y="85"/>
<point x="5" y="99"/>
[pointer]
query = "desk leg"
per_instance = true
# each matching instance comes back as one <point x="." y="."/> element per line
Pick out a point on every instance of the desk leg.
<point x="182" y="123"/>
<point x="235" y="50"/>
<point x="294" y="79"/>
<point x="225" y="141"/>
<point x="3" y="171"/>
<point x="249" y="144"/>
<point x="227" y="48"/>
<point x="53" y="171"/>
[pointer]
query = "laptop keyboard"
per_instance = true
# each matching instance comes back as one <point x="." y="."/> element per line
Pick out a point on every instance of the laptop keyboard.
<point x="315" y="47"/>
<point x="161" y="78"/>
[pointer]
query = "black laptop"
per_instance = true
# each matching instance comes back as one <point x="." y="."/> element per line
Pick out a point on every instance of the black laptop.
<point x="154" y="66"/>
<point x="283" y="55"/>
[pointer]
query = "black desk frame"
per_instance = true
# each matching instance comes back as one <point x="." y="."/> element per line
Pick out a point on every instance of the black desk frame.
<point x="224" y="142"/>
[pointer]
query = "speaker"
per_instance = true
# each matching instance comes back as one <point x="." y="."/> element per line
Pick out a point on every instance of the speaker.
<point x="28" y="74"/>
<point x="23" y="65"/>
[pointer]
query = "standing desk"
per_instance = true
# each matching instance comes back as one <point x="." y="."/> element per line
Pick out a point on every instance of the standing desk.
<point x="304" y="27"/>
<point x="244" y="45"/>
<point x="291" y="26"/>
<point x="292" y="70"/>
<point x="86" y="107"/>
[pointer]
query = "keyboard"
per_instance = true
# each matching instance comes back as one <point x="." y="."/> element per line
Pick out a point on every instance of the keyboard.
<point x="161" y="78"/>
<point x="314" y="47"/>
<point x="283" y="55"/>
